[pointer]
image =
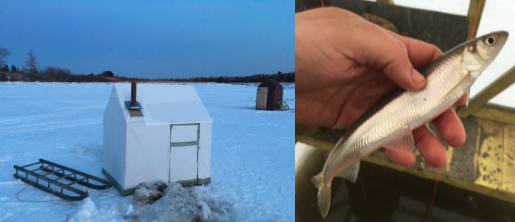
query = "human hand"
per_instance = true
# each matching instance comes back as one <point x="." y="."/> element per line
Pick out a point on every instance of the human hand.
<point x="345" y="64"/>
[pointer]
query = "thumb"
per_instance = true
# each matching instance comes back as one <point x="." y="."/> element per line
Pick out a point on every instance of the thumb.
<point x="390" y="55"/>
<point x="399" y="68"/>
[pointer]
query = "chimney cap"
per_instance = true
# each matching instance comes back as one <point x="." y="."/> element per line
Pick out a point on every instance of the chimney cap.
<point x="128" y="105"/>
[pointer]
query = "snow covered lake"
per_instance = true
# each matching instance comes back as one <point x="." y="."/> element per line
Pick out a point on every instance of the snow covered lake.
<point x="252" y="155"/>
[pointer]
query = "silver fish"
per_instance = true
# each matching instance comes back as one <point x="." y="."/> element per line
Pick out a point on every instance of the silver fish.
<point x="389" y="122"/>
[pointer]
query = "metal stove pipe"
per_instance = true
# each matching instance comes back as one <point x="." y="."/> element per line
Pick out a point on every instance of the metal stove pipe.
<point x="133" y="94"/>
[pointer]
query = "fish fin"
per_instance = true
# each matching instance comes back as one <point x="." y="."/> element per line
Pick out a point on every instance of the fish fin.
<point x="404" y="142"/>
<point x="324" y="195"/>
<point x="459" y="89"/>
<point x="468" y="99"/>
<point x="350" y="173"/>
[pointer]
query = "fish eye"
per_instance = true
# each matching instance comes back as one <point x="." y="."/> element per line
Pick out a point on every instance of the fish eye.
<point x="490" y="40"/>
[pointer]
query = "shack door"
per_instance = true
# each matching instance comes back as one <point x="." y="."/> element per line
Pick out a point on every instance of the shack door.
<point x="184" y="144"/>
<point x="261" y="98"/>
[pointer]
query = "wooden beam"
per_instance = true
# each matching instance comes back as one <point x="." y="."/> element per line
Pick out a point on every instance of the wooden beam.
<point x="503" y="82"/>
<point x="388" y="2"/>
<point x="488" y="162"/>
<point x="508" y="180"/>
<point x="314" y="142"/>
<point x="501" y="194"/>
<point x="471" y="15"/>
<point x="466" y="185"/>
<point x="496" y="113"/>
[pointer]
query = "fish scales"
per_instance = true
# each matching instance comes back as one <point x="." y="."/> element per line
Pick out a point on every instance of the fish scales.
<point x="390" y="121"/>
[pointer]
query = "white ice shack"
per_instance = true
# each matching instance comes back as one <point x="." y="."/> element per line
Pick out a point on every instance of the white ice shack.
<point x="168" y="139"/>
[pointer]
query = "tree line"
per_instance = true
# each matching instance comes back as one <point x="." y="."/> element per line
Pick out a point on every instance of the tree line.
<point x="31" y="72"/>
<point x="279" y="76"/>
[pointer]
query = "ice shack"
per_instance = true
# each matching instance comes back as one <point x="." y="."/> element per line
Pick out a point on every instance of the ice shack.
<point x="164" y="134"/>
<point x="269" y="95"/>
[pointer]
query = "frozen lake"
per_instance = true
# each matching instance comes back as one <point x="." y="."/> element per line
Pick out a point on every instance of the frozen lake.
<point x="251" y="162"/>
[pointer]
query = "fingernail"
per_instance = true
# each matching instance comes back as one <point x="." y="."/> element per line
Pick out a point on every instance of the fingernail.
<point x="417" y="78"/>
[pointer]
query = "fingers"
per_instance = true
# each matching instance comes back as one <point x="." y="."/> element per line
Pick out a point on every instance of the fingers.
<point x="421" y="54"/>
<point x="450" y="128"/>
<point x="384" y="52"/>
<point x="349" y="46"/>
<point x="452" y="131"/>
<point x="430" y="147"/>
<point x="403" y="159"/>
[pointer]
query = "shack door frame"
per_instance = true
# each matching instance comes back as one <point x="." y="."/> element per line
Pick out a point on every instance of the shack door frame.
<point x="184" y="145"/>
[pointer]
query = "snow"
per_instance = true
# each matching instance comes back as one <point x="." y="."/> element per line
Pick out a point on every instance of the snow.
<point x="251" y="160"/>
<point x="86" y="210"/>
<point x="180" y="204"/>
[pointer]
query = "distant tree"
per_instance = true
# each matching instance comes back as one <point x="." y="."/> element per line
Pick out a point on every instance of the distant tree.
<point x="281" y="77"/>
<point x="108" y="73"/>
<point x="31" y="65"/>
<point x="51" y="70"/>
<point x="91" y="74"/>
<point x="3" y="77"/>
<point x="13" y="69"/>
<point x="291" y="78"/>
<point x="4" y="54"/>
<point x="5" y="68"/>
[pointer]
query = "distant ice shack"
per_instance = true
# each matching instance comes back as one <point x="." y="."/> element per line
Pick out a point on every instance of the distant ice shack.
<point x="269" y="95"/>
<point x="163" y="135"/>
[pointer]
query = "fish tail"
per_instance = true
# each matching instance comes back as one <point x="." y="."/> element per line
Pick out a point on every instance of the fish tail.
<point x="324" y="194"/>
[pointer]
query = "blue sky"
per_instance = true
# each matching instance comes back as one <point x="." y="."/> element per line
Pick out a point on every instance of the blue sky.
<point x="152" y="39"/>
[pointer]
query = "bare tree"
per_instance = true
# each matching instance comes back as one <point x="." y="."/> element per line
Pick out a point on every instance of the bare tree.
<point x="13" y="69"/>
<point x="4" y="53"/>
<point x="5" y="68"/>
<point x="31" y="65"/>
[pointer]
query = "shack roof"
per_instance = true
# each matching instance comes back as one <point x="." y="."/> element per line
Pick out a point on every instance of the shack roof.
<point x="164" y="103"/>
<point x="270" y="83"/>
